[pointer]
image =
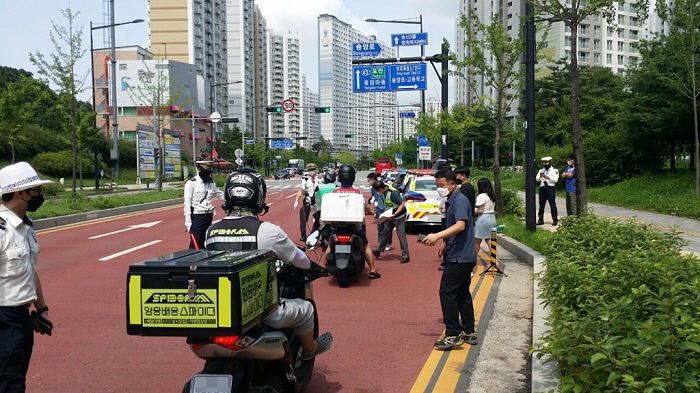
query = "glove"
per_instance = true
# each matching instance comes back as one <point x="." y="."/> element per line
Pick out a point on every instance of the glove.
<point x="296" y="203"/>
<point x="188" y="224"/>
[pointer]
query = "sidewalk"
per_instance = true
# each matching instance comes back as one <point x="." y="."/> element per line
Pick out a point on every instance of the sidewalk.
<point x="689" y="228"/>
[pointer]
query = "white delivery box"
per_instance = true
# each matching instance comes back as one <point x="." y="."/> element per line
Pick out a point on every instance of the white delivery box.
<point x="339" y="207"/>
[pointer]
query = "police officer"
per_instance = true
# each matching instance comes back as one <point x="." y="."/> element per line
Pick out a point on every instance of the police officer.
<point x="20" y="287"/>
<point x="199" y="211"/>
<point x="392" y="201"/>
<point x="326" y="187"/>
<point x="548" y="177"/>
<point x="242" y="231"/>
<point x="306" y="191"/>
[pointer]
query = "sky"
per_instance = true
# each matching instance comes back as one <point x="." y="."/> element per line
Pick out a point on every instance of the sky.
<point x="27" y="23"/>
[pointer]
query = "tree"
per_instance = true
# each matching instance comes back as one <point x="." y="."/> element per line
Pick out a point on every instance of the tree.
<point x="347" y="158"/>
<point x="494" y="55"/>
<point x="60" y="69"/>
<point x="683" y="45"/>
<point x="88" y="135"/>
<point x="322" y="146"/>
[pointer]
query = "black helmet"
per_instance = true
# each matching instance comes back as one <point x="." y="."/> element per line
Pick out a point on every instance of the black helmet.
<point x="245" y="187"/>
<point x="346" y="172"/>
<point x="329" y="176"/>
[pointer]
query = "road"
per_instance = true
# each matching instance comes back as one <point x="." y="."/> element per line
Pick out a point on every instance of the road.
<point x="384" y="329"/>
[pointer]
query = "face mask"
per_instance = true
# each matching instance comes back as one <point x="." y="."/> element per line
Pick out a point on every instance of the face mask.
<point x="570" y="163"/>
<point x="35" y="202"/>
<point x="205" y="174"/>
<point x="547" y="166"/>
<point x="443" y="192"/>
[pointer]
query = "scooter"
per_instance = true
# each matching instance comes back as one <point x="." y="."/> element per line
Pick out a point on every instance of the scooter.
<point x="262" y="359"/>
<point x="346" y="256"/>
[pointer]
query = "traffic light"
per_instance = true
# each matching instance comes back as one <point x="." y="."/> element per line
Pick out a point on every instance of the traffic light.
<point x="274" y="109"/>
<point x="349" y="135"/>
<point x="322" y="109"/>
<point x="156" y="153"/>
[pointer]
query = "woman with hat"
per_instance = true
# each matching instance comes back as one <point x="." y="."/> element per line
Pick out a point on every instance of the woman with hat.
<point x="20" y="287"/>
<point x="548" y="177"/>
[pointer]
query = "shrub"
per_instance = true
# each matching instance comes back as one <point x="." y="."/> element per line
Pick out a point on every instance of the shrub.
<point x="512" y="203"/>
<point x="127" y="153"/>
<point x="623" y="307"/>
<point x="60" y="164"/>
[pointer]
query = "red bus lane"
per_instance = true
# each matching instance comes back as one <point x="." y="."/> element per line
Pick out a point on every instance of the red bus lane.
<point x="383" y="329"/>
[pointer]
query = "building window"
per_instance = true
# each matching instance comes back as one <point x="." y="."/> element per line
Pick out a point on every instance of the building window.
<point x="620" y="60"/>
<point x="596" y="58"/>
<point x="611" y="30"/>
<point x="567" y="53"/>
<point x="608" y="58"/>
<point x="585" y="29"/>
<point x="609" y="45"/>
<point x="596" y="31"/>
<point x="621" y="6"/>
<point x="621" y="71"/>
<point x="596" y="44"/>
<point x="632" y="60"/>
<point x="634" y="34"/>
<point x="621" y="46"/>
<point x="567" y="41"/>
<point x="127" y="111"/>
<point x="621" y="33"/>
<point x="634" y="21"/>
<point x="567" y="29"/>
<point x="510" y="28"/>
<point x="583" y="43"/>
<point x="633" y="7"/>
<point x="122" y="67"/>
<point x="583" y="57"/>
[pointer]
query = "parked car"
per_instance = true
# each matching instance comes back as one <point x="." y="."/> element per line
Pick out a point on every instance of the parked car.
<point x="423" y="212"/>
<point x="282" y="174"/>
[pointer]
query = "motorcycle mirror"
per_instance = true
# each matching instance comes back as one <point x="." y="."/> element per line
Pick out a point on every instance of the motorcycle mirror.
<point x="312" y="239"/>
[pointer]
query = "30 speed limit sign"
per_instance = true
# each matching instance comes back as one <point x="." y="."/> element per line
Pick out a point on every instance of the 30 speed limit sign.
<point x="288" y="105"/>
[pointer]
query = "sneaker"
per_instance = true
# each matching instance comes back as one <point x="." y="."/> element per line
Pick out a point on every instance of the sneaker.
<point x="388" y="247"/>
<point x="540" y="222"/>
<point x="554" y="223"/>
<point x="468" y="338"/>
<point x="405" y="260"/>
<point x="375" y="253"/>
<point x="448" y="342"/>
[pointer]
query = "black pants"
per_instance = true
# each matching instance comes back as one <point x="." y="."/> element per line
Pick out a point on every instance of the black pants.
<point x="200" y="224"/>
<point x="547" y="195"/>
<point x="16" y="342"/>
<point x="455" y="298"/>
<point x="304" y="218"/>
<point x="317" y="221"/>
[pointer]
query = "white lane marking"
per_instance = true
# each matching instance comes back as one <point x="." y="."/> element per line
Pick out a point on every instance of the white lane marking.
<point x="272" y="203"/>
<point x="130" y="227"/>
<point x="290" y="195"/>
<point x="287" y="186"/>
<point x="107" y="258"/>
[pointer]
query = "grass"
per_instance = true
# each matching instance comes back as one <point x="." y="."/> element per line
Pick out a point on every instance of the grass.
<point x="68" y="204"/>
<point x="516" y="229"/>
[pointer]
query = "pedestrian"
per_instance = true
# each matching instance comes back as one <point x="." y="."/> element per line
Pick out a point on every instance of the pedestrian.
<point x="462" y="173"/>
<point x="20" y="286"/>
<point x="378" y="202"/>
<point x="485" y="207"/>
<point x="455" y="299"/>
<point x="393" y="201"/>
<point x="199" y="211"/>
<point x="569" y="176"/>
<point x="548" y="177"/>
<point x="306" y="194"/>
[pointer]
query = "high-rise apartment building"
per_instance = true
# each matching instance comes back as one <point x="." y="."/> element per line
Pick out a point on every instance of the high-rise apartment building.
<point x="248" y="62"/>
<point x="371" y="118"/>
<point x="285" y="81"/>
<point x="193" y="32"/>
<point x="310" y="121"/>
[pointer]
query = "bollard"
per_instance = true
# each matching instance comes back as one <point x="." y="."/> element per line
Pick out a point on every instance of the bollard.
<point x="148" y="183"/>
<point x="494" y="256"/>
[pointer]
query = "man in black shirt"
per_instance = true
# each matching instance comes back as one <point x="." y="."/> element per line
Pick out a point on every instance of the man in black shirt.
<point x="466" y="188"/>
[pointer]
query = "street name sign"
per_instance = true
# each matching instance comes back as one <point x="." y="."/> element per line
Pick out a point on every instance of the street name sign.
<point x="407" y="115"/>
<point x="410" y="39"/>
<point x="282" y="143"/>
<point x="391" y="77"/>
<point x="250" y="141"/>
<point x="425" y="153"/>
<point x="366" y="49"/>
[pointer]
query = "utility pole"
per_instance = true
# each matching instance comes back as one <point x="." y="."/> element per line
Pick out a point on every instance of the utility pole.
<point x="530" y="223"/>
<point x="113" y="70"/>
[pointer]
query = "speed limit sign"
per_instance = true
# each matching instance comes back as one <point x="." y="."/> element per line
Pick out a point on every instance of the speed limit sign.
<point x="365" y="139"/>
<point x="288" y="105"/>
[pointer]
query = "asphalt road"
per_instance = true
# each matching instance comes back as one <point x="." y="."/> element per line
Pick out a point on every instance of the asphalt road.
<point x="384" y="329"/>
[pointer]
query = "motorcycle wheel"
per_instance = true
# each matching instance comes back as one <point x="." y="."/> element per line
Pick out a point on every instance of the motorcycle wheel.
<point x="343" y="277"/>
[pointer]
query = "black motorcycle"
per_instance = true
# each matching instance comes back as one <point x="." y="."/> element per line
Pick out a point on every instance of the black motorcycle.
<point x="262" y="359"/>
<point x="346" y="257"/>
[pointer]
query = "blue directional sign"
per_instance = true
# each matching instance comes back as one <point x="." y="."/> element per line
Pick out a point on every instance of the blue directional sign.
<point x="392" y="77"/>
<point x="366" y="49"/>
<point x="250" y="141"/>
<point x="282" y="143"/>
<point x="407" y="115"/>
<point x="423" y="140"/>
<point x="410" y="39"/>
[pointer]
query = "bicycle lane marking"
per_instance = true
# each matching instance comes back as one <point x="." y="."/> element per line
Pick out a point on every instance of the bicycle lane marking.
<point x="443" y="368"/>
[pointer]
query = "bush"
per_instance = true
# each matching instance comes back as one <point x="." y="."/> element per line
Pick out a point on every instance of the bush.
<point x="623" y="307"/>
<point x="512" y="203"/>
<point x="127" y="153"/>
<point x="60" y="164"/>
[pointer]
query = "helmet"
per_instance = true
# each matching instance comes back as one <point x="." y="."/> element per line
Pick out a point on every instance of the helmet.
<point x="346" y="172"/>
<point x="245" y="187"/>
<point x="329" y="176"/>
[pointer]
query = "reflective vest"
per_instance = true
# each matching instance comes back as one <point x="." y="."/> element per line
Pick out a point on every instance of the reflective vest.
<point x="236" y="234"/>
<point x="388" y="203"/>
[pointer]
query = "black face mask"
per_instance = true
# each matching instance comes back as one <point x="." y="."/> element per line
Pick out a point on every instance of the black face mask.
<point x="547" y="167"/>
<point x="35" y="202"/>
<point x="205" y="174"/>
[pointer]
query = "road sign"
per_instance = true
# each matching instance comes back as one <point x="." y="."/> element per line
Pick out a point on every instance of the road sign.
<point x="410" y="39"/>
<point x="399" y="155"/>
<point x="215" y="117"/>
<point x="423" y="140"/>
<point x="407" y="115"/>
<point x="425" y="153"/>
<point x="365" y="139"/>
<point x="250" y="141"/>
<point x="238" y="153"/>
<point x="282" y="143"/>
<point x="391" y="77"/>
<point x="227" y="120"/>
<point x="239" y="161"/>
<point x="366" y="49"/>
<point x="288" y="105"/>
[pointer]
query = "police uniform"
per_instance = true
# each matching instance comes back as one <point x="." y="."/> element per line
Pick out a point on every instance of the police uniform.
<point x="244" y="234"/>
<point x="199" y="210"/>
<point x="547" y="191"/>
<point x="399" y="222"/>
<point x="308" y="187"/>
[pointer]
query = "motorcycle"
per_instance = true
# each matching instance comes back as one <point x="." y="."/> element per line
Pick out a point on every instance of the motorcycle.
<point x="262" y="359"/>
<point x="346" y="256"/>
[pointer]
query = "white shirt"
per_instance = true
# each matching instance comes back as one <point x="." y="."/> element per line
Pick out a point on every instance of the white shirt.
<point x="553" y="174"/>
<point x="198" y="196"/>
<point x="19" y="251"/>
<point x="484" y="200"/>
<point x="309" y="185"/>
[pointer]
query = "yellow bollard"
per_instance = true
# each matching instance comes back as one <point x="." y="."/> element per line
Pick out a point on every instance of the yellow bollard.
<point x="494" y="256"/>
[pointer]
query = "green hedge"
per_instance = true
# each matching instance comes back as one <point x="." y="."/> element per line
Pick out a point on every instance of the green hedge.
<point x="624" y="308"/>
<point x="60" y="164"/>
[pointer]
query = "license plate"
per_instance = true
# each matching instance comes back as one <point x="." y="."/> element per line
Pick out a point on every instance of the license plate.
<point x="204" y="383"/>
<point x="342" y="248"/>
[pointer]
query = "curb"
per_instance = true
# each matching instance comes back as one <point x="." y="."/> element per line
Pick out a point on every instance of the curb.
<point x="52" y="222"/>
<point x="544" y="375"/>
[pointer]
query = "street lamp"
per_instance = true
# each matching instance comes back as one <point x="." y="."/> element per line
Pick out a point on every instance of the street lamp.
<point x="212" y="108"/>
<point x="114" y="94"/>
<point x="422" y="47"/>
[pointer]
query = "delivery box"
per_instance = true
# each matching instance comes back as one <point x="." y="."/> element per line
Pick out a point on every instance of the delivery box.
<point x="201" y="293"/>
<point x="343" y="208"/>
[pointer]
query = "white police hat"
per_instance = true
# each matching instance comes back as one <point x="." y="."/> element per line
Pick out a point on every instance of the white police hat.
<point x="205" y="164"/>
<point x="19" y="176"/>
<point x="546" y="158"/>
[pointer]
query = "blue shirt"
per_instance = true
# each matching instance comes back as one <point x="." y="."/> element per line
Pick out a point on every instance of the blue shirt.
<point x="379" y="200"/>
<point x="460" y="247"/>
<point x="570" y="182"/>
